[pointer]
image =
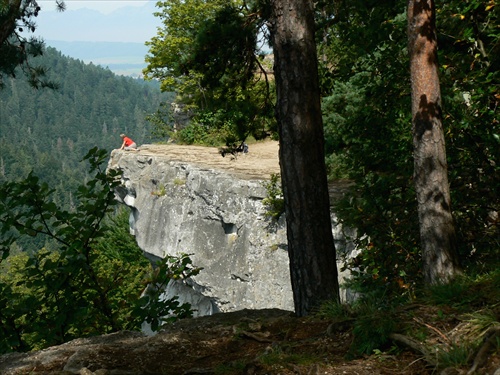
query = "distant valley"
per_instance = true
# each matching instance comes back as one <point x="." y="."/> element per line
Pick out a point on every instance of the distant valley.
<point x="123" y="58"/>
<point x="112" y="40"/>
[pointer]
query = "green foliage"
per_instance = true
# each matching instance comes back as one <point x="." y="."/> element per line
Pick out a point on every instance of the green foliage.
<point x="66" y="295"/>
<point x="162" y="120"/>
<point x="337" y="168"/>
<point x="207" y="53"/>
<point x="372" y="320"/>
<point x="223" y="127"/>
<point x="335" y="310"/>
<point x="153" y="308"/>
<point x="483" y="319"/>
<point x="371" y="331"/>
<point x="467" y="291"/>
<point x="173" y="45"/>
<point x="208" y="128"/>
<point x="69" y="297"/>
<point x="456" y="355"/>
<point x="121" y="267"/>
<point x="364" y="70"/>
<point x="16" y="50"/>
<point x="91" y="282"/>
<point x="195" y="134"/>
<point x="470" y="61"/>
<point x="224" y="49"/>
<point x="274" y="202"/>
<point x="451" y="293"/>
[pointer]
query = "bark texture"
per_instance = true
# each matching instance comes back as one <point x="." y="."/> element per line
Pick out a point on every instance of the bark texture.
<point x="437" y="231"/>
<point x="303" y="172"/>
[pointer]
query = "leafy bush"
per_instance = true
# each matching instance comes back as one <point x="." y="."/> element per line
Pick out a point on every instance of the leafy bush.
<point x="274" y="202"/>
<point x="209" y="129"/>
<point x="153" y="308"/>
<point x="90" y="282"/>
<point x="63" y="297"/>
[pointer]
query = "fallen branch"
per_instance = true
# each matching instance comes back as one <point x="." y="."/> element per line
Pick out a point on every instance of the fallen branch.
<point x="483" y="352"/>
<point x="445" y="338"/>
<point x="413" y="345"/>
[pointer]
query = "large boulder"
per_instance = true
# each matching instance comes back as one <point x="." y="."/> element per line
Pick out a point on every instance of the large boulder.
<point x="216" y="213"/>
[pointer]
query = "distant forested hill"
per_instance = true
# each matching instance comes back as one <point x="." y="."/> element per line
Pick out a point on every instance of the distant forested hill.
<point x="49" y="131"/>
<point x="121" y="58"/>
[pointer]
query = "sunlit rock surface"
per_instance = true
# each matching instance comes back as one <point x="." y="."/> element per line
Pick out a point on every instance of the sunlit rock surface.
<point x="217" y="215"/>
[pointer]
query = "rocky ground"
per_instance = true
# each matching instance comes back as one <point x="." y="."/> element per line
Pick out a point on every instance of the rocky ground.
<point x="243" y="342"/>
<point x="260" y="161"/>
<point x="247" y="342"/>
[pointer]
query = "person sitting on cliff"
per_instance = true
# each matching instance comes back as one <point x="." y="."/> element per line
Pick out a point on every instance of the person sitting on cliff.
<point x="128" y="144"/>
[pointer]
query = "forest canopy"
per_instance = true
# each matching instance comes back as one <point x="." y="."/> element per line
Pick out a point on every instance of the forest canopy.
<point x="49" y="131"/>
<point x="68" y="264"/>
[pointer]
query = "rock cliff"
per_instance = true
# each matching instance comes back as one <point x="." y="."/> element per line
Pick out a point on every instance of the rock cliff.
<point x="186" y="199"/>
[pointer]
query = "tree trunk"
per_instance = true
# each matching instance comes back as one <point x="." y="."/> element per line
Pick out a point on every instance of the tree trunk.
<point x="437" y="231"/>
<point x="298" y="110"/>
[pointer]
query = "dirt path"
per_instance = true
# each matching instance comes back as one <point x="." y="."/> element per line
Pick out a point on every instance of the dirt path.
<point x="260" y="162"/>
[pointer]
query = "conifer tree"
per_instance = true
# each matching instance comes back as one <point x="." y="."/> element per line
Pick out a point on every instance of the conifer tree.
<point x="437" y="230"/>
<point x="18" y="17"/>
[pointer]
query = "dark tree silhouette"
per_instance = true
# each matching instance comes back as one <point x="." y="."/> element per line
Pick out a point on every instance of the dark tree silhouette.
<point x="17" y="17"/>
<point x="298" y="111"/>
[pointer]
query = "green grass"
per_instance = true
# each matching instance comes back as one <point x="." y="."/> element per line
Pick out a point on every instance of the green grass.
<point x="179" y="181"/>
<point x="456" y="356"/>
<point x="372" y="322"/>
<point x="162" y="191"/>
<point x="466" y="292"/>
<point x="232" y="368"/>
<point x="283" y="356"/>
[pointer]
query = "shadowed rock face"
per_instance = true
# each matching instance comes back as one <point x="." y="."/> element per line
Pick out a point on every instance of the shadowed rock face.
<point x="215" y="214"/>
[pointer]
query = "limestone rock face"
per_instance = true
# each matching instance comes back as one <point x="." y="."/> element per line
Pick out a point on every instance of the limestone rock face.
<point x="217" y="216"/>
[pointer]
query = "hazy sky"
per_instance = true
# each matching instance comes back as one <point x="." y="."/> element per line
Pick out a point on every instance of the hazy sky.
<point x="103" y="6"/>
<point x="98" y="20"/>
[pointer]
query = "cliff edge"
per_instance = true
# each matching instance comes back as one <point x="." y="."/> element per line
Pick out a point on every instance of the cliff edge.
<point x="259" y="163"/>
<point x="190" y="199"/>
